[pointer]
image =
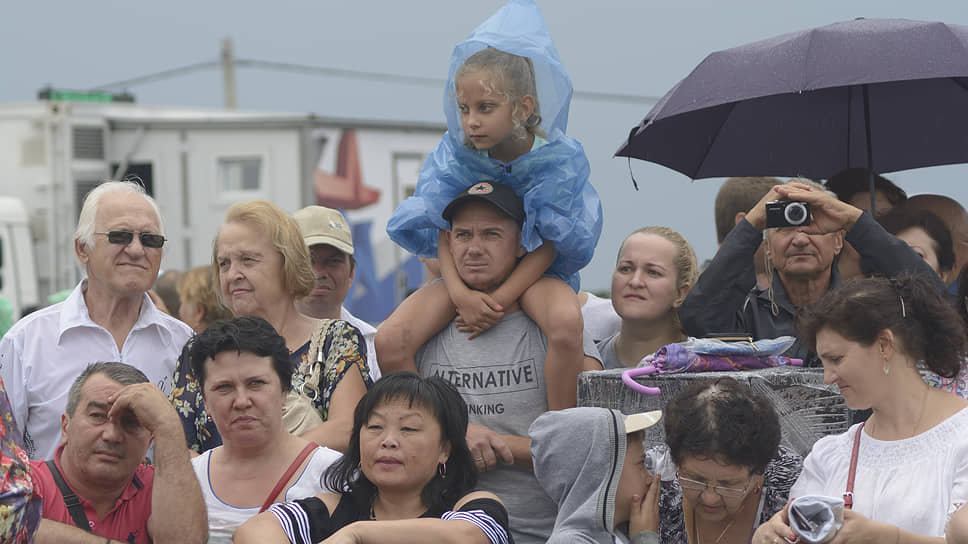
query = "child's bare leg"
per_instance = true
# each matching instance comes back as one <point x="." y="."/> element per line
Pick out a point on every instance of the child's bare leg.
<point x="552" y="304"/>
<point x="415" y="321"/>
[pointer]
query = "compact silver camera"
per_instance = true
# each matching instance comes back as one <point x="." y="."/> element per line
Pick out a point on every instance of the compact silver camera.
<point x="784" y="213"/>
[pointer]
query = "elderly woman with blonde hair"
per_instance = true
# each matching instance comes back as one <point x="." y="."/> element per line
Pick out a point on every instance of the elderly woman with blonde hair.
<point x="262" y="267"/>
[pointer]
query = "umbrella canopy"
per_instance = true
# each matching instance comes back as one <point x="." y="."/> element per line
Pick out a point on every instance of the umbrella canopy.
<point x="884" y="94"/>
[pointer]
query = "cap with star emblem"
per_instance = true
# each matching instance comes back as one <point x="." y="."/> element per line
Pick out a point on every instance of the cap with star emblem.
<point x="499" y="195"/>
<point x="320" y="225"/>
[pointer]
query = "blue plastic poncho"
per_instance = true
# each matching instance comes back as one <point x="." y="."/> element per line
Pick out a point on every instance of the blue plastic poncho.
<point x="552" y="180"/>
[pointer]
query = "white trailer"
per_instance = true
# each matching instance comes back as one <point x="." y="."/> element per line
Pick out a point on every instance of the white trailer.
<point x="197" y="162"/>
<point x="18" y="277"/>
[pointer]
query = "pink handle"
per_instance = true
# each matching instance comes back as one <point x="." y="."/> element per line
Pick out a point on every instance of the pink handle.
<point x="629" y="375"/>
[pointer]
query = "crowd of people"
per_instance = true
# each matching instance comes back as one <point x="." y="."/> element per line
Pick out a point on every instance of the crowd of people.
<point x="241" y="401"/>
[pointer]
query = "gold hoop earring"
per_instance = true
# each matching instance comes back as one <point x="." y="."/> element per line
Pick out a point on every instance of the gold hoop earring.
<point x="442" y="471"/>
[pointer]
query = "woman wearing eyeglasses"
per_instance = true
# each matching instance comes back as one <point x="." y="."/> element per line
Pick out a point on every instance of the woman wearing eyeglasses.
<point x="910" y="458"/>
<point x="261" y="266"/>
<point x="732" y="475"/>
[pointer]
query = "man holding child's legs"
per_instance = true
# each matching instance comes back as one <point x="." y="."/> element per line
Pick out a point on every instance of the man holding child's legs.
<point x="501" y="372"/>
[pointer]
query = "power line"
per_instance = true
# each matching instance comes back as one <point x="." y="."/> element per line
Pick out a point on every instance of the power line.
<point x="344" y="73"/>
<point x="339" y="72"/>
<point x="157" y="76"/>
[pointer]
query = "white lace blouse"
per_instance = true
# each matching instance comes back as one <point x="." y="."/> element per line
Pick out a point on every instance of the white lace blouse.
<point x="915" y="483"/>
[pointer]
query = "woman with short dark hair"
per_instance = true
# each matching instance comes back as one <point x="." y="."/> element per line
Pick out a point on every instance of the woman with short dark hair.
<point x="244" y="374"/>
<point x="407" y="476"/>
<point x="910" y="475"/>
<point x="732" y="474"/>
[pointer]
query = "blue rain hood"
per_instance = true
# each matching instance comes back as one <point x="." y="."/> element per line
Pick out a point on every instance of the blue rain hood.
<point x="517" y="28"/>
<point x="560" y="203"/>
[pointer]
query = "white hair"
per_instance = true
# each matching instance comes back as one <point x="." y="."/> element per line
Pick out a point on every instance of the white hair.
<point x="85" y="221"/>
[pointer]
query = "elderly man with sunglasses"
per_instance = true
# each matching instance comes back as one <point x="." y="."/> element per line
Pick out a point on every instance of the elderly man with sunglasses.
<point x="108" y="317"/>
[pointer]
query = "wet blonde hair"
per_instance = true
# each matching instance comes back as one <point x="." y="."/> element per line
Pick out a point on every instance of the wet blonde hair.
<point x="684" y="261"/>
<point x="298" y="278"/>
<point x="512" y="76"/>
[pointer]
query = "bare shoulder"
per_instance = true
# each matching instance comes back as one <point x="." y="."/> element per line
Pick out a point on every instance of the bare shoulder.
<point x="952" y="404"/>
<point x="331" y="500"/>
<point x="473" y="496"/>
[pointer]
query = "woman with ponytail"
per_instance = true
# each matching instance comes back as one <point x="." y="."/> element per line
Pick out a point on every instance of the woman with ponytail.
<point x="873" y="336"/>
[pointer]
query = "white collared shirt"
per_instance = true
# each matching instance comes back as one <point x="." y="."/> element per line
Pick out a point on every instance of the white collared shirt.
<point x="42" y="354"/>
<point x="369" y="333"/>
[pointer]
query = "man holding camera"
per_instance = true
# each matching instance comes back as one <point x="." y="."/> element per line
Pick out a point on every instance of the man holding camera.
<point x="805" y="233"/>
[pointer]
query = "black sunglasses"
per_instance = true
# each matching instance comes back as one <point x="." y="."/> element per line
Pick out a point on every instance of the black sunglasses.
<point x="124" y="237"/>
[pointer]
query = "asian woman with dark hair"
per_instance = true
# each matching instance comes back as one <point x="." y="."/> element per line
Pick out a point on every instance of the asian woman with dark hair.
<point x="407" y="476"/>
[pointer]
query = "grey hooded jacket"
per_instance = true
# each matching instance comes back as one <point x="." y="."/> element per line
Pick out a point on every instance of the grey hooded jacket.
<point x="578" y="458"/>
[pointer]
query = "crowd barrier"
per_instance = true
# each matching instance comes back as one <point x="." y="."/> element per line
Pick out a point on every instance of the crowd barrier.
<point x="808" y="409"/>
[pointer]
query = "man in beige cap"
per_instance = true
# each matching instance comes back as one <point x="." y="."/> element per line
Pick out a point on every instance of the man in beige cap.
<point x="330" y="245"/>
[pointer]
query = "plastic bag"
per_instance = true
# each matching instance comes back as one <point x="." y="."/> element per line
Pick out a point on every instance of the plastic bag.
<point x="658" y="462"/>
<point x="816" y="519"/>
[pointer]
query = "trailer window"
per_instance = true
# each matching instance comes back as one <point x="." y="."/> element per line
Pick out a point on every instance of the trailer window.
<point x="240" y="174"/>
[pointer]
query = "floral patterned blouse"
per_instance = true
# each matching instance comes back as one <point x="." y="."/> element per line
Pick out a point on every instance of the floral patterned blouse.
<point x="780" y="474"/>
<point x="19" y="510"/>
<point x="957" y="385"/>
<point x="341" y="349"/>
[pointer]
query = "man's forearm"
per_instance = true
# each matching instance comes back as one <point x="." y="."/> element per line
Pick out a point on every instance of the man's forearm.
<point x="54" y="532"/>
<point x="714" y="302"/>
<point x="177" y="508"/>
<point x="333" y="434"/>
<point x="520" y="449"/>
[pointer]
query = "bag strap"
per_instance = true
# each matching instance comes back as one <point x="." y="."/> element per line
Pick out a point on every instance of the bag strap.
<point x="849" y="493"/>
<point x="311" y="447"/>
<point x="71" y="500"/>
<point x="318" y="340"/>
<point x="311" y="369"/>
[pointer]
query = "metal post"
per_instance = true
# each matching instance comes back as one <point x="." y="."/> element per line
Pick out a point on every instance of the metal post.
<point x="228" y="74"/>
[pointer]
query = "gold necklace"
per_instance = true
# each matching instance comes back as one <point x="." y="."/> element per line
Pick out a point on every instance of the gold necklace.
<point x="721" y="535"/>
<point x="917" y="424"/>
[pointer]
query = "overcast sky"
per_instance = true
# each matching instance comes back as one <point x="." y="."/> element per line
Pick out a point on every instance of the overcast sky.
<point x="632" y="47"/>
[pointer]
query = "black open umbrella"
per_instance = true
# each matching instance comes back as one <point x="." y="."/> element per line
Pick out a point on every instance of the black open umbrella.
<point x="884" y="94"/>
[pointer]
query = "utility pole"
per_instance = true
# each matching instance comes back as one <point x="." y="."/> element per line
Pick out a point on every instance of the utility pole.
<point x="228" y="74"/>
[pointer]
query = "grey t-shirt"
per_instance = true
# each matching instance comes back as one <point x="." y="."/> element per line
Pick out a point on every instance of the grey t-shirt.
<point x="609" y="357"/>
<point x="501" y="377"/>
<point x="600" y="318"/>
